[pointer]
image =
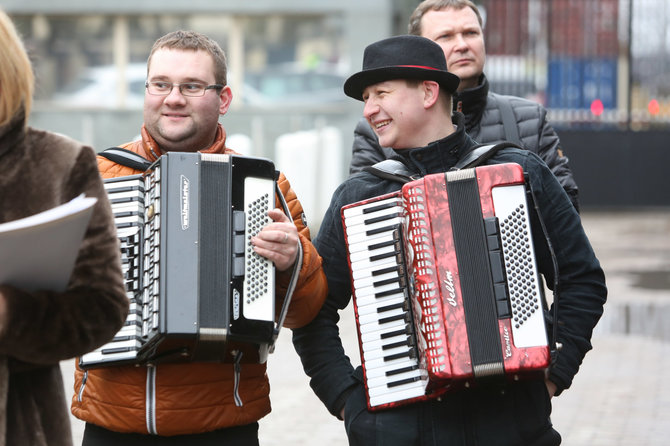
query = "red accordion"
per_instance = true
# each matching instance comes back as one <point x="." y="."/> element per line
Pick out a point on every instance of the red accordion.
<point x="445" y="285"/>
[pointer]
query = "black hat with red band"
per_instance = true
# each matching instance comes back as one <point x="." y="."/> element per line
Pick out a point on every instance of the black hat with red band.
<point x="401" y="57"/>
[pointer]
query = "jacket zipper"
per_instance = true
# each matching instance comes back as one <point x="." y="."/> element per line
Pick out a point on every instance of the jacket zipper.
<point x="151" y="399"/>
<point x="238" y="369"/>
<point x="83" y="386"/>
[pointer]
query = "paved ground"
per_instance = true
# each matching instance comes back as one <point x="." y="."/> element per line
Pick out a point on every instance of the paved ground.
<point x="620" y="396"/>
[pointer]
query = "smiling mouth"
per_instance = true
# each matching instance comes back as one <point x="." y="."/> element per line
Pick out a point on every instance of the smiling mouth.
<point x="381" y="124"/>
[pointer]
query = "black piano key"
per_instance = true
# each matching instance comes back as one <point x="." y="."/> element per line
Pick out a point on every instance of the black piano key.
<point x="405" y="343"/>
<point x="401" y="370"/>
<point x="388" y="281"/>
<point x="397" y="317"/>
<point x="390" y="269"/>
<point x="407" y="354"/>
<point x="384" y="256"/>
<point x="387" y="293"/>
<point x="380" y="207"/>
<point x="371" y="221"/>
<point x="380" y="230"/>
<point x="381" y="245"/>
<point x="390" y="307"/>
<point x="403" y="381"/>
<point x="392" y="334"/>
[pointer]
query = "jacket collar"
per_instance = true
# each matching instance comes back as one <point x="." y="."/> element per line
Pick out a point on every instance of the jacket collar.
<point x="152" y="151"/>
<point x="441" y="155"/>
<point x="472" y="102"/>
<point x="13" y="133"/>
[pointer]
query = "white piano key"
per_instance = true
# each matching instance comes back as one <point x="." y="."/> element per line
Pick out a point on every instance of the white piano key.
<point x="128" y="194"/>
<point x="418" y="389"/>
<point x="372" y="335"/>
<point x="378" y="343"/>
<point x="369" y="279"/>
<point x="381" y="370"/>
<point x="371" y="290"/>
<point x="373" y="265"/>
<point x="381" y="381"/>
<point x="354" y="233"/>
<point x="382" y="390"/>
<point x="376" y="325"/>
<point x="384" y="301"/>
<point x="368" y="254"/>
<point x="381" y="353"/>
<point x="375" y="316"/>
<point x="362" y="208"/>
<point x="371" y="299"/>
<point x="387" y="363"/>
<point x="100" y="357"/>
<point x="365" y="245"/>
<point x="367" y="270"/>
<point x="363" y="219"/>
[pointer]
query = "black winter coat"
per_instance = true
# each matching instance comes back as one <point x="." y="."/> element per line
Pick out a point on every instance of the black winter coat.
<point x="484" y="123"/>
<point x="519" y="415"/>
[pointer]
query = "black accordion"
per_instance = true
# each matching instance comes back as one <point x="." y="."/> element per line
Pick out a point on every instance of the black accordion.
<point x="197" y="290"/>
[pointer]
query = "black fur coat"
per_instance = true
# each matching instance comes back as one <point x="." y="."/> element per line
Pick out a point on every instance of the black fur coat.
<point x="40" y="170"/>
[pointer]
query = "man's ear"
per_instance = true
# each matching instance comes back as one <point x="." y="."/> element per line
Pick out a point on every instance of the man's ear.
<point x="431" y="94"/>
<point x="226" y="97"/>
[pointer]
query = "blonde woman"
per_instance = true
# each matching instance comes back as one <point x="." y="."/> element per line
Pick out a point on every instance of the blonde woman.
<point x="40" y="170"/>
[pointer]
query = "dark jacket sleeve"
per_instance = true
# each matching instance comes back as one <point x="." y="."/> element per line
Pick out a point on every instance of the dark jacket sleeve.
<point x="579" y="290"/>
<point x="46" y="327"/>
<point x="318" y="344"/>
<point x="538" y="136"/>
<point x="366" y="150"/>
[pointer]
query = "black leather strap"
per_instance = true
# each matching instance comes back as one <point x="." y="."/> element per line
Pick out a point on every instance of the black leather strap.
<point x="508" y="119"/>
<point x="392" y="169"/>
<point x="126" y="158"/>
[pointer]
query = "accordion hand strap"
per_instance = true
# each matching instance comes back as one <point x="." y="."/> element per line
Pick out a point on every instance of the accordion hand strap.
<point x="294" y="276"/>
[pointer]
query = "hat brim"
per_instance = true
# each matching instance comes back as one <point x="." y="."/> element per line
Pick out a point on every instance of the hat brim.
<point x="354" y="86"/>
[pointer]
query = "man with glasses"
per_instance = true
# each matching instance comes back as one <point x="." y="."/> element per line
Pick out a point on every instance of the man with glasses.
<point x="195" y="403"/>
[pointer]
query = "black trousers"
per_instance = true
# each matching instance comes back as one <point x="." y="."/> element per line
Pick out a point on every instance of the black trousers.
<point x="516" y="415"/>
<point x="246" y="435"/>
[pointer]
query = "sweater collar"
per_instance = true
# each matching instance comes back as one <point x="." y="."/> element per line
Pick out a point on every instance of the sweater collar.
<point x="472" y="102"/>
<point x="440" y="155"/>
<point x="152" y="151"/>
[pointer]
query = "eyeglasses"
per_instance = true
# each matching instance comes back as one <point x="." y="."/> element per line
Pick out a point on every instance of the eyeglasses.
<point x="192" y="89"/>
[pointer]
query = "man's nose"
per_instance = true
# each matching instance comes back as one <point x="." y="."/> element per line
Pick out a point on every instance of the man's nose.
<point x="459" y="42"/>
<point x="175" y="95"/>
<point x="370" y="109"/>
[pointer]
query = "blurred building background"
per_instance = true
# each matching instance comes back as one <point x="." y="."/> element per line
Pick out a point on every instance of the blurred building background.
<point x="599" y="66"/>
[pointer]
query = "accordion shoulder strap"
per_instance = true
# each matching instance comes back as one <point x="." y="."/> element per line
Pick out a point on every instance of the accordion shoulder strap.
<point x="392" y="169"/>
<point x="480" y="154"/>
<point x="126" y="158"/>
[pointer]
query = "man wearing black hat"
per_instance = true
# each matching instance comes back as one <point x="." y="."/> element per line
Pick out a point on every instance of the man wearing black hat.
<point x="407" y="92"/>
<point x="457" y="26"/>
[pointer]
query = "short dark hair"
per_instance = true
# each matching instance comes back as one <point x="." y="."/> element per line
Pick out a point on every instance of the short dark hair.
<point x="414" y="26"/>
<point x="194" y="41"/>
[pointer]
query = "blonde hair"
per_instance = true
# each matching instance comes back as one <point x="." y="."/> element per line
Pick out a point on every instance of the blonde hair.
<point x="17" y="80"/>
